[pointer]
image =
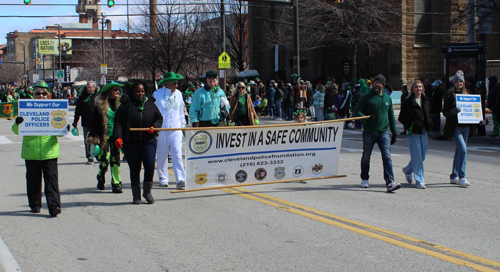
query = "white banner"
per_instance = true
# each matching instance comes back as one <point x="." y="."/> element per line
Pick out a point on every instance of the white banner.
<point x="471" y="112"/>
<point x="229" y="156"/>
<point x="43" y="117"/>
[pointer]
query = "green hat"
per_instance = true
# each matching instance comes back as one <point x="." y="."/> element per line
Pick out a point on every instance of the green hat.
<point x="30" y="88"/>
<point x="43" y="84"/>
<point x="169" y="77"/>
<point x="295" y="77"/>
<point x="110" y="85"/>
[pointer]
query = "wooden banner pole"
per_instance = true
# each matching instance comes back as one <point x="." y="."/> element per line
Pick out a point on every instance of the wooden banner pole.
<point x="252" y="184"/>
<point x="260" y="126"/>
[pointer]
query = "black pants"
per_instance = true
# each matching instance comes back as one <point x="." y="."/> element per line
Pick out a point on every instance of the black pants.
<point x="34" y="171"/>
<point x="242" y="120"/>
<point x="86" y="131"/>
<point x="207" y="124"/>
<point x="138" y="152"/>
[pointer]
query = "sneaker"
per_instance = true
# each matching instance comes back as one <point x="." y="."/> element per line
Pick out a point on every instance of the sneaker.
<point x="365" y="184"/>
<point x="303" y="181"/>
<point x="463" y="182"/>
<point x="454" y="181"/>
<point x="393" y="186"/>
<point x="421" y="186"/>
<point x="409" y="178"/>
<point x="117" y="188"/>
<point x="90" y="162"/>
<point x="181" y="185"/>
<point x="55" y="211"/>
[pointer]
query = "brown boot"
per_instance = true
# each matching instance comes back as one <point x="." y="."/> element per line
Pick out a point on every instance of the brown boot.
<point x="136" y="194"/>
<point x="147" y="192"/>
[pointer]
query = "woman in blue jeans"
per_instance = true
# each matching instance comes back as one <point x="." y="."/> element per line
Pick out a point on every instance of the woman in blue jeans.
<point x="458" y="132"/>
<point x="416" y="118"/>
<point x="138" y="110"/>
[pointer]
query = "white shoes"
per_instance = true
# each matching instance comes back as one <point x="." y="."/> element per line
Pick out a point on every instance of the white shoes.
<point x="365" y="184"/>
<point x="463" y="182"/>
<point x="421" y="186"/>
<point x="454" y="181"/>
<point x="409" y="178"/>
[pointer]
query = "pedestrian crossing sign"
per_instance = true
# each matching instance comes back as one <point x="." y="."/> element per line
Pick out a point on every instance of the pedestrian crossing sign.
<point x="224" y="61"/>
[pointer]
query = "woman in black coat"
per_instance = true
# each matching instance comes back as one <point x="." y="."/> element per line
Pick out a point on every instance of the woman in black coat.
<point x="138" y="110"/>
<point x="416" y="117"/>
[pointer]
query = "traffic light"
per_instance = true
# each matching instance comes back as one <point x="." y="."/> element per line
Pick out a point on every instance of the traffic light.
<point x="27" y="2"/>
<point x="111" y="3"/>
<point x="38" y="60"/>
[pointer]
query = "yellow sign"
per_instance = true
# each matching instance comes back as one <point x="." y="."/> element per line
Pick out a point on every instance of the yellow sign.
<point x="50" y="46"/>
<point x="224" y="61"/>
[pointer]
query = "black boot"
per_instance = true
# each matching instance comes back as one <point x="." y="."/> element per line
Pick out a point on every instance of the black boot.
<point x="147" y="192"/>
<point x="136" y="194"/>
<point x="100" y="182"/>
<point x="117" y="188"/>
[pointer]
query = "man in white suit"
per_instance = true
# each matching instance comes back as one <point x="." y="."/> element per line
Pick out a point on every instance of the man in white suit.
<point x="169" y="101"/>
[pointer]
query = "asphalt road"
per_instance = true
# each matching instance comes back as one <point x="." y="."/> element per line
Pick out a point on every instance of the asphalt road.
<point x="324" y="225"/>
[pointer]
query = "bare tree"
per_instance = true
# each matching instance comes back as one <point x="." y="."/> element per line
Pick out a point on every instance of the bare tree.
<point x="10" y="72"/>
<point x="348" y="25"/>
<point x="476" y="14"/>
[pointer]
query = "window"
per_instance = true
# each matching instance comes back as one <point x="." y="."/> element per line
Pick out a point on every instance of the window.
<point x="423" y="23"/>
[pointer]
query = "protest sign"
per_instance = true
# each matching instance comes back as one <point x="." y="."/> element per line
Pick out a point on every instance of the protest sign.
<point x="9" y="109"/>
<point x="43" y="117"/>
<point x="470" y="105"/>
<point x="231" y="156"/>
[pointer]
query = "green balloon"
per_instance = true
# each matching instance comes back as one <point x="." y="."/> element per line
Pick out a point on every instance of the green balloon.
<point x="256" y="121"/>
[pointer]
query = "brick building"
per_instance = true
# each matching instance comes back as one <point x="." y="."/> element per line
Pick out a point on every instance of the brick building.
<point x="426" y="27"/>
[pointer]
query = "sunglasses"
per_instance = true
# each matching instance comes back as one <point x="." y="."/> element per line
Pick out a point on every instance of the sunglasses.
<point x="241" y="87"/>
<point x="41" y="93"/>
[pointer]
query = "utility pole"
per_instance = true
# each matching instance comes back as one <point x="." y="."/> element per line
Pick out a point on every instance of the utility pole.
<point x="296" y="48"/>
<point x="59" y="36"/>
<point x="102" y="38"/>
<point x="222" y="83"/>
<point x="24" y="63"/>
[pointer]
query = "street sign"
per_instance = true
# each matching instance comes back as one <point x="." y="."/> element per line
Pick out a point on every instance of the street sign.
<point x="60" y="74"/>
<point x="36" y="78"/>
<point x="104" y="69"/>
<point x="224" y="61"/>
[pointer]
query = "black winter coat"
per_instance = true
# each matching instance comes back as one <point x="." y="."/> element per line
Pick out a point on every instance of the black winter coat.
<point x="419" y="116"/>
<point x="450" y="103"/>
<point x="85" y="106"/>
<point x="328" y="98"/>
<point x="437" y="100"/>
<point x="149" y="116"/>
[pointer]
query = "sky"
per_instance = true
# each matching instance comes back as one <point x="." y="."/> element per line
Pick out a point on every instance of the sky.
<point x="10" y="24"/>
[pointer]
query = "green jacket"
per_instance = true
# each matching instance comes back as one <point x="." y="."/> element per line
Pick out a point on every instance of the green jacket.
<point x="38" y="148"/>
<point x="363" y="87"/>
<point x="380" y="105"/>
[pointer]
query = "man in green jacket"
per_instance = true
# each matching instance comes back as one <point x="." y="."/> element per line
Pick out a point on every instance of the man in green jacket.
<point x="378" y="106"/>
<point x="40" y="154"/>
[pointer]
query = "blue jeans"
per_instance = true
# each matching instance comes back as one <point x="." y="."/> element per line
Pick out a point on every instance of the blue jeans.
<point x="137" y="152"/>
<point x="319" y="113"/>
<point x="325" y="113"/>
<point x="278" y="109"/>
<point x="418" y="147"/>
<point x="460" y="136"/>
<point x="436" y="126"/>
<point x="271" y="111"/>
<point x="383" y="141"/>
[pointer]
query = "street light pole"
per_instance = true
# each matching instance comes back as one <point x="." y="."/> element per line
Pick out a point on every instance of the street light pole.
<point x="59" y="36"/>
<point x="102" y="37"/>
<point x="296" y="48"/>
<point x="24" y="63"/>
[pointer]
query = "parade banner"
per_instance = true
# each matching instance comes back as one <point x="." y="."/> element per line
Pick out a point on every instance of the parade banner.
<point x="9" y="109"/>
<point x="43" y="117"/>
<point x="471" y="111"/>
<point x="242" y="155"/>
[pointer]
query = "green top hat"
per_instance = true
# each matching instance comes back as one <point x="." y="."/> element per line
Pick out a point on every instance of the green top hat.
<point x="169" y="77"/>
<point x="109" y="86"/>
<point x="43" y="84"/>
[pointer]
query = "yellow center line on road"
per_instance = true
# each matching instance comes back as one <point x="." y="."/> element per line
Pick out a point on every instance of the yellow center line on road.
<point x="404" y="241"/>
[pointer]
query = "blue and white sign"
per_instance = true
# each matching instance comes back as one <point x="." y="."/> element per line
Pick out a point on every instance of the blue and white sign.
<point x="43" y="117"/>
<point x="471" y="112"/>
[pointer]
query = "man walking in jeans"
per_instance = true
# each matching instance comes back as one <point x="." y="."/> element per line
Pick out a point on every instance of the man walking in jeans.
<point x="378" y="106"/>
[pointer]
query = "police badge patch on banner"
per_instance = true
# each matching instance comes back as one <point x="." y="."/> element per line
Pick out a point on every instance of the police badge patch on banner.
<point x="9" y="109"/>
<point x="218" y="157"/>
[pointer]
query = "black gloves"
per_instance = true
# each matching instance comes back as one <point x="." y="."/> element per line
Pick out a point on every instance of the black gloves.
<point x="393" y="139"/>
<point x="371" y="118"/>
<point x="68" y="127"/>
<point x="19" y="120"/>
<point x="455" y="110"/>
<point x="75" y="124"/>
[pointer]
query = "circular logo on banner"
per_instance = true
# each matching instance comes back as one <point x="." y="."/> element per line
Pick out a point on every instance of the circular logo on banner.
<point x="221" y="177"/>
<point x="200" y="142"/>
<point x="260" y="174"/>
<point x="201" y="179"/>
<point x="279" y="172"/>
<point x="241" y="176"/>
<point x="297" y="171"/>
<point x="317" y="168"/>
